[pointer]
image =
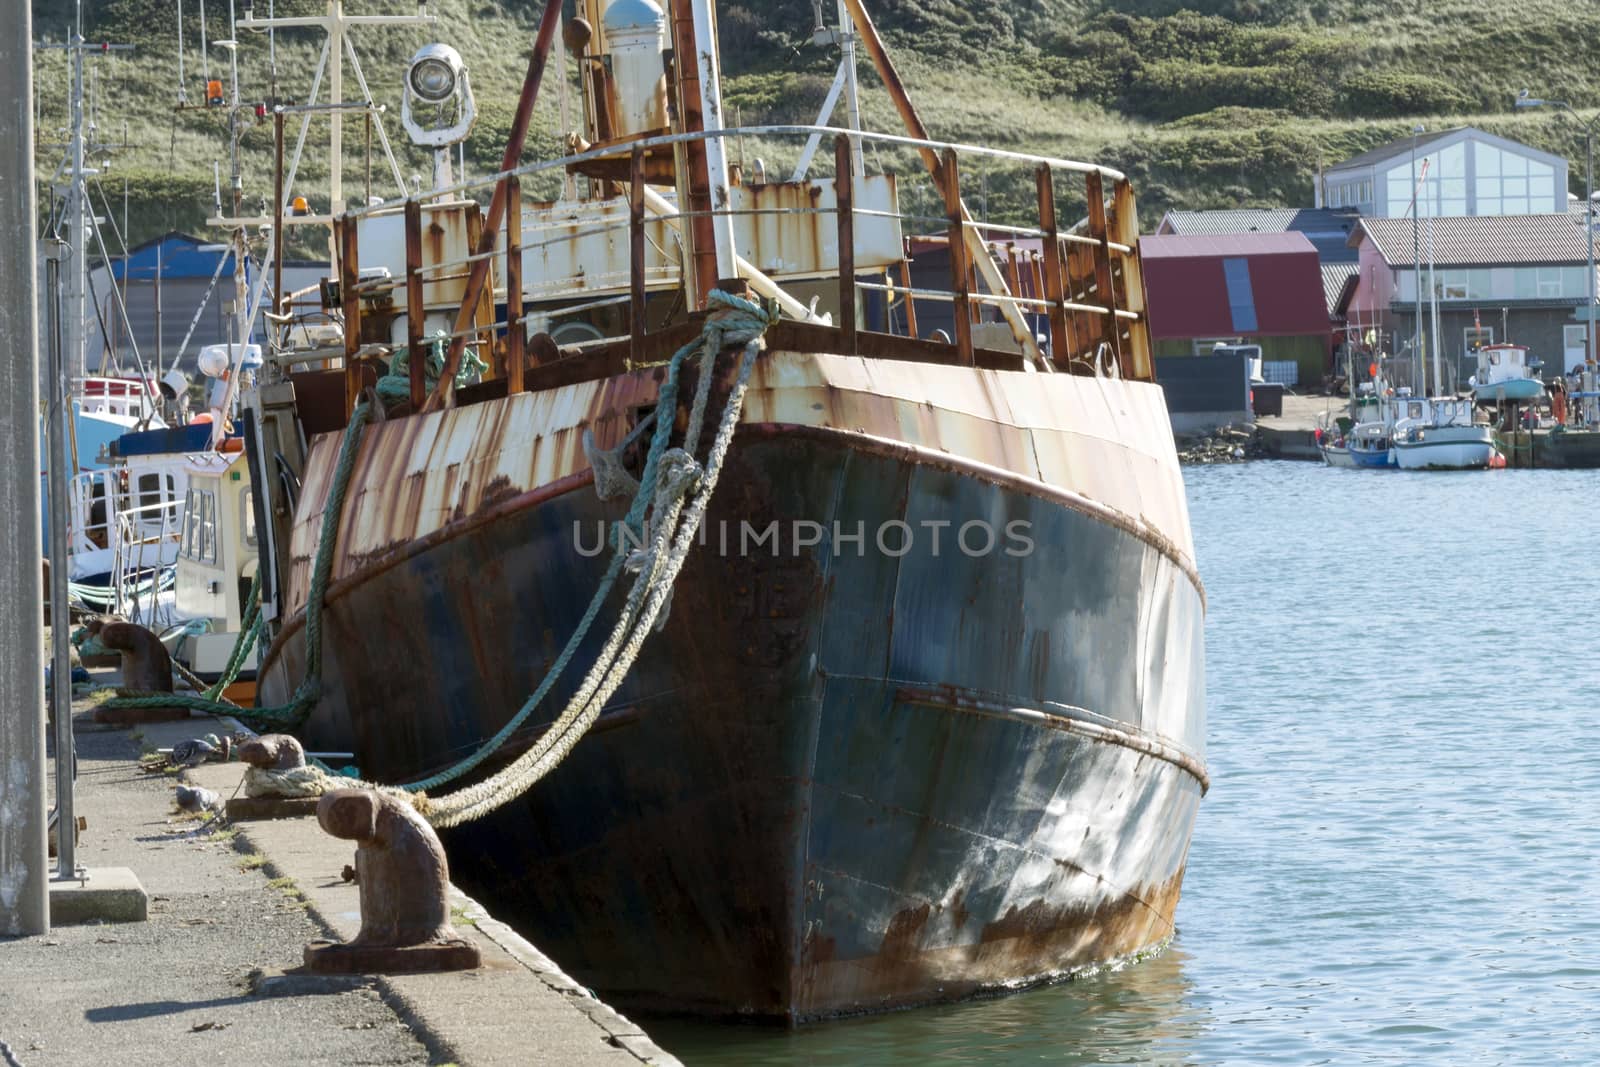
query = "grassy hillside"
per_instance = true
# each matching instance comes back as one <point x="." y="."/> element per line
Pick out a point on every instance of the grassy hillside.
<point x="1233" y="105"/>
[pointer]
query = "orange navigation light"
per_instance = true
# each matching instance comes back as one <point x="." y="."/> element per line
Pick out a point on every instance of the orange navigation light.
<point x="299" y="206"/>
<point x="214" y="92"/>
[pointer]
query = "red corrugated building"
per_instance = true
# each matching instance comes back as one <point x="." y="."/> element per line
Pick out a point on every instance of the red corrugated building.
<point x="1264" y="288"/>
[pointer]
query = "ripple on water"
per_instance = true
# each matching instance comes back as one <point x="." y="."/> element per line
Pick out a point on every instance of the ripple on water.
<point x="1395" y="862"/>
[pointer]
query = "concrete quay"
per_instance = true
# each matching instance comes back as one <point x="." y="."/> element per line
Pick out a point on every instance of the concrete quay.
<point x="1292" y="435"/>
<point x="214" y="975"/>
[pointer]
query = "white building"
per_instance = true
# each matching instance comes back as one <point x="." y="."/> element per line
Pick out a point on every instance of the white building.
<point x="1468" y="172"/>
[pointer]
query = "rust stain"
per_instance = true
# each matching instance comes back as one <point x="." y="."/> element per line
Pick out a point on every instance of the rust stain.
<point x="1036" y="942"/>
<point x="900" y="939"/>
<point x="499" y="490"/>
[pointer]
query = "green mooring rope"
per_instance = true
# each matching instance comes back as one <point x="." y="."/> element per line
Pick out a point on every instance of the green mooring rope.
<point x="249" y="631"/>
<point x="310" y="689"/>
<point x="395" y="387"/>
<point x="738" y="316"/>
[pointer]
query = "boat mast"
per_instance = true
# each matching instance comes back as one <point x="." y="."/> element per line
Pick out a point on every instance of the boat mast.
<point x="77" y="213"/>
<point x="1417" y="188"/>
<point x="1433" y="299"/>
<point x="335" y="23"/>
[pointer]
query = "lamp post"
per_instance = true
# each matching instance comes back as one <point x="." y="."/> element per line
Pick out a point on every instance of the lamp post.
<point x="1524" y="100"/>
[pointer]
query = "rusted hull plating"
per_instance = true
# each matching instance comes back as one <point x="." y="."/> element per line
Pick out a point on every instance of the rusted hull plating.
<point x="843" y="778"/>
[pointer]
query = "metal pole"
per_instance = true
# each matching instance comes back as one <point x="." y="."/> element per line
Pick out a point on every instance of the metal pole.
<point x="60" y="616"/>
<point x="24" y="870"/>
<point x="159" y="260"/>
<point x="336" y="94"/>
<point x="852" y="97"/>
<point x="79" y="220"/>
<point x="1588" y="240"/>
<point x="1418" y="190"/>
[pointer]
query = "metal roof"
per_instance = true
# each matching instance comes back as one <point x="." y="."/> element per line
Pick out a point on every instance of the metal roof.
<point x="1399" y="147"/>
<point x="1480" y="240"/>
<point x="1334" y="278"/>
<point x="1203" y="246"/>
<point x="1329" y="231"/>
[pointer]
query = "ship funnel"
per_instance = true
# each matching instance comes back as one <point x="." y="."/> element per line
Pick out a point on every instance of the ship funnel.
<point x="634" y="35"/>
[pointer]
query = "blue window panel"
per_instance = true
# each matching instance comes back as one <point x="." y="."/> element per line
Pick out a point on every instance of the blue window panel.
<point x="1241" y="300"/>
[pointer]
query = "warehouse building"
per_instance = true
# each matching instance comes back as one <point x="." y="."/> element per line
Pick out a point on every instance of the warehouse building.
<point x="1260" y="288"/>
<point x="1517" y="278"/>
<point x="1468" y="172"/>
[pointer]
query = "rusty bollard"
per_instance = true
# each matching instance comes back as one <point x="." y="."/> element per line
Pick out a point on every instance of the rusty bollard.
<point x="277" y="782"/>
<point x="273" y="752"/>
<point x="403" y="878"/>
<point x="146" y="666"/>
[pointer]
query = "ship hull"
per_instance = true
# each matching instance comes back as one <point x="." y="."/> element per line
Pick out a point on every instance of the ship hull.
<point x="838" y="781"/>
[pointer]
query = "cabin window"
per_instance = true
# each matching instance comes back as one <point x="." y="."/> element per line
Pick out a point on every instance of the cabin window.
<point x="191" y="525"/>
<point x="149" y="489"/>
<point x="208" y="527"/>
<point x="247" y="519"/>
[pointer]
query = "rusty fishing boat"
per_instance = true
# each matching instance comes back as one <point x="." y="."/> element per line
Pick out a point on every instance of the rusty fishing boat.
<point x="926" y="716"/>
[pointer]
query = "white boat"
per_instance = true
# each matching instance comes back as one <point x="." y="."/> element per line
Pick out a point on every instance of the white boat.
<point x="1504" y="374"/>
<point x="1444" y="438"/>
<point x="1336" y="454"/>
<point x="1331" y="443"/>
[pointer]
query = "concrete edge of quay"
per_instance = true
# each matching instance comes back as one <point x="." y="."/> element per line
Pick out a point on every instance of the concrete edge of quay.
<point x="527" y="1011"/>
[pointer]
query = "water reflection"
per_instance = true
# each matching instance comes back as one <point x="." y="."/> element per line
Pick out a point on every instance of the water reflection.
<point x="1143" y="1013"/>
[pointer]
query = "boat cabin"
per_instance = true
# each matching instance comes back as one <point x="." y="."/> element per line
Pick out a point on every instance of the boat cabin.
<point x="216" y="560"/>
<point x="1504" y="362"/>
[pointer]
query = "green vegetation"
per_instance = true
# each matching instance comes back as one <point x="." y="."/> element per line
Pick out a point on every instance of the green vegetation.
<point x="1205" y="103"/>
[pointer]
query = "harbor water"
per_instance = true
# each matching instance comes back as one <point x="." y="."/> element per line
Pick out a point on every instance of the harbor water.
<point x="1396" y="861"/>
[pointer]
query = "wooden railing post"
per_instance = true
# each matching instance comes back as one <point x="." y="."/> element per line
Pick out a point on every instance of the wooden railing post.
<point x="960" y="265"/>
<point x="1105" y="295"/>
<point x="1125" y="229"/>
<point x="1051" y="266"/>
<point x="350" y="304"/>
<point x="638" y="294"/>
<point x="844" y="194"/>
<point x="911" y="301"/>
<point x="415" y="313"/>
<point x="516" y="331"/>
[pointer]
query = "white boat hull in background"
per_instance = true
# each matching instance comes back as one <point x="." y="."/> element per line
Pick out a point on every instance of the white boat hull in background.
<point x="1445" y="448"/>
<point x="1337" y="456"/>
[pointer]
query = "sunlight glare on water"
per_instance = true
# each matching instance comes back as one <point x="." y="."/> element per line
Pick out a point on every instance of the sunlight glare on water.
<point x="1396" y="861"/>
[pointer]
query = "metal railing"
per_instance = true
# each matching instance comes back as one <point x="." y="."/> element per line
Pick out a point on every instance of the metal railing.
<point x="1075" y="303"/>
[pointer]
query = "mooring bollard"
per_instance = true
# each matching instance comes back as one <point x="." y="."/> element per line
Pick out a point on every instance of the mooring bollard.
<point x="146" y="667"/>
<point x="277" y="782"/>
<point x="404" y="879"/>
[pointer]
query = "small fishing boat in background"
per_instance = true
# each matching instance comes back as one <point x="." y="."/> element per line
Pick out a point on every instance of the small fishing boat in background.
<point x="1368" y="445"/>
<point x="1445" y="438"/>
<point x="1504" y="373"/>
